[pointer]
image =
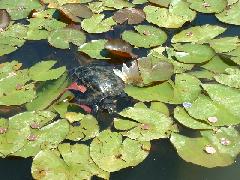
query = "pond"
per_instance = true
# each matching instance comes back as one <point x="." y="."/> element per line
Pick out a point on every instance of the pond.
<point x="177" y="116"/>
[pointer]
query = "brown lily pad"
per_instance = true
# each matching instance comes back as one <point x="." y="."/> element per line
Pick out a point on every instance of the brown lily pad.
<point x="4" y="19"/>
<point x="132" y="15"/>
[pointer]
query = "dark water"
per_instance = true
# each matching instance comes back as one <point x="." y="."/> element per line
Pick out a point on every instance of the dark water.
<point x="163" y="163"/>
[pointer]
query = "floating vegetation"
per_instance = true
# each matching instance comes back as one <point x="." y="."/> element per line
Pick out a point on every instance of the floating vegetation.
<point x="176" y="74"/>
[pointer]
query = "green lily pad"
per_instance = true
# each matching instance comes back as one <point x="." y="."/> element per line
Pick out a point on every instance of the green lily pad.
<point x="164" y="3"/>
<point x="160" y="107"/>
<point x="211" y="150"/>
<point x="187" y="88"/>
<point x="149" y="124"/>
<point x="88" y="128"/>
<point x="192" y="53"/>
<point x="61" y="38"/>
<point x="117" y="4"/>
<point x="81" y="166"/>
<point x="94" y="48"/>
<point x="208" y="6"/>
<point x="225" y="96"/>
<point x="47" y="93"/>
<point x="18" y="130"/>
<point x="198" y="34"/>
<point x="44" y="138"/>
<point x="19" y="9"/>
<point x="97" y="24"/>
<point x="202" y="74"/>
<point x="182" y="116"/>
<point x="111" y="153"/>
<point x="203" y="108"/>
<point x="231" y="79"/>
<point x="48" y="165"/>
<point x="225" y="44"/>
<point x="147" y="36"/>
<point x="14" y="89"/>
<point x="98" y="7"/>
<point x="153" y="70"/>
<point x="216" y="65"/>
<point x="42" y="71"/>
<point x="230" y="15"/>
<point x="162" y="92"/>
<point x="170" y="18"/>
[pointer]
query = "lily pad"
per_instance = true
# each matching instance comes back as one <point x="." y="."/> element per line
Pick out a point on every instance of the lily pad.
<point x="85" y="129"/>
<point x="44" y="138"/>
<point x="225" y="44"/>
<point x="203" y="108"/>
<point x="153" y="70"/>
<point x="182" y="116"/>
<point x="131" y="15"/>
<point x="231" y="79"/>
<point x="230" y="15"/>
<point x="169" y="18"/>
<point x="19" y="9"/>
<point x="111" y="153"/>
<point x="117" y="4"/>
<point x="198" y="34"/>
<point x="61" y="38"/>
<point x="94" y="48"/>
<point x="160" y="107"/>
<point x="164" y="3"/>
<point x="192" y="53"/>
<point x="75" y="11"/>
<point x="209" y="150"/>
<point x="208" y="6"/>
<point x="97" y="24"/>
<point x="147" y="36"/>
<point x="149" y="124"/>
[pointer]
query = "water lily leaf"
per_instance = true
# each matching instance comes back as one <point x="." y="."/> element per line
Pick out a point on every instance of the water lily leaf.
<point x="231" y="2"/>
<point x="12" y="38"/>
<point x="4" y="19"/>
<point x="139" y="1"/>
<point x="160" y="107"/>
<point x="225" y="44"/>
<point x="187" y="87"/>
<point x="48" y="165"/>
<point x="203" y="108"/>
<point x="164" y="3"/>
<point x="97" y="24"/>
<point x="230" y="15"/>
<point x="61" y="38"/>
<point x="77" y="157"/>
<point x="147" y="36"/>
<point x="84" y="129"/>
<point x="14" y="90"/>
<point x="9" y="67"/>
<point x="231" y="79"/>
<point x="18" y="130"/>
<point x="149" y="124"/>
<point x="208" y="151"/>
<point x="124" y="124"/>
<point x="152" y="70"/>
<point x="47" y="93"/>
<point x="94" y="48"/>
<point x="58" y="3"/>
<point x="98" y="7"/>
<point x="226" y="96"/>
<point x="192" y="53"/>
<point x="216" y="65"/>
<point x="235" y="55"/>
<point x="47" y="13"/>
<point x="162" y="92"/>
<point x="198" y="34"/>
<point x="117" y="4"/>
<point x="19" y="9"/>
<point x="182" y="116"/>
<point x="42" y="71"/>
<point x="75" y="11"/>
<point x="202" y="74"/>
<point x="208" y="6"/>
<point x="172" y="17"/>
<point x="44" y="138"/>
<point x="111" y="153"/>
<point x="131" y="15"/>
<point x="61" y="108"/>
<point x="40" y="28"/>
